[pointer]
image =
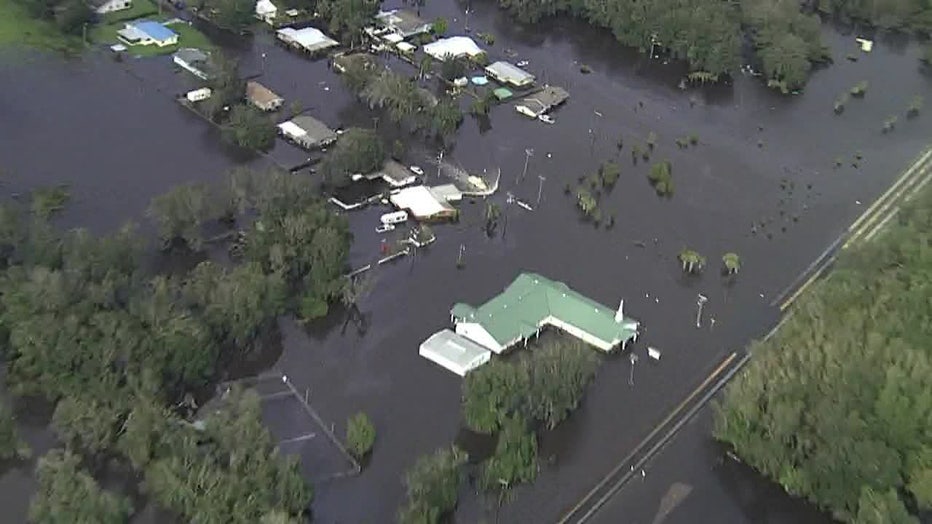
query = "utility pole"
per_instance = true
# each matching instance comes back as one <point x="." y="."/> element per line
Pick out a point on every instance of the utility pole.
<point x="528" y="153"/>
<point x="468" y="10"/>
<point x="700" y="301"/>
<point x="540" y="187"/>
<point x="634" y="359"/>
<point x="84" y="33"/>
<point x="439" y="163"/>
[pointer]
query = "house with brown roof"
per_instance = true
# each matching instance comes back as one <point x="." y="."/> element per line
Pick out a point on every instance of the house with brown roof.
<point x="262" y="97"/>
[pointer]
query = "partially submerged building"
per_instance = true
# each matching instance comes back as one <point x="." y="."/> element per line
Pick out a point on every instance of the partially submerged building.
<point x="531" y="303"/>
<point x="307" y="132"/>
<point x="423" y="204"/>
<point x="396" y="174"/>
<point x="510" y="74"/>
<point x="453" y="47"/>
<point x="102" y="7"/>
<point x="309" y="40"/>
<point x="454" y="352"/>
<point x="194" y="61"/>
<point x="266" y="11"/>
<point x="403" y="22"/>
<point x="262" y="97"/>
<point x="542" y="102"/>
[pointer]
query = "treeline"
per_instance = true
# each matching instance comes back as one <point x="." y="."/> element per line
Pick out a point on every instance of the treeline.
<point x="837" y="406"/>
<point x="510" y="400"/>
<point x="70" y="16"/>
<point x="707" y="34"/>
<point x="120" y="350"/>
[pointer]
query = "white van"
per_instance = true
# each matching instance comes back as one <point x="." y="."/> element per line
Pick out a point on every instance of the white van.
<point x="395" y="218"/>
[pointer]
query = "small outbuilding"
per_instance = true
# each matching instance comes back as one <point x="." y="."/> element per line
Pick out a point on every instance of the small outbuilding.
<point x="307" y="132"/>
<point x="198" y="95"/>
<point x="266" y="11"/>
<point x="103" y="7"/>
<point x="512" y="75"/>
<point x="454" y="352"/>
<point x="262" y="97"/>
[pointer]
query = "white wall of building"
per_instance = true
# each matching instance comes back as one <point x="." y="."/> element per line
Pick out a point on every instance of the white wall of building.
<point x="479" y="335"/>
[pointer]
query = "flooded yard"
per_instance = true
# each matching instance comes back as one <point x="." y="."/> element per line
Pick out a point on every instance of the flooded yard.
<point x="760" y="182"/>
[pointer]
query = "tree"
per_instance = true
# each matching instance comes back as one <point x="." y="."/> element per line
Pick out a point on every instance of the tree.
<point x="233" y="15"/>
<point x="452" y="67"/>
<point x="67" y="494"/>
<point x="181" y="212"/>
<point x="360" y="434"/>
<point x="249" y="128"/>
<point x="559" y="373"/>
<point x="72" y="16"/>
<point x="348" y="17"/>
<point x="882" y="508"/>
<point x="445" y="118"/>
<point x="48" y="200"/>
<point x="88" y="424"/>
<point x="586" y="202"/>
<point x="432" y="486"/>
<point x="835" y="405"/>
<point x="439" y="26"/>
<point x="358" y="71"/>
<point x="227" y="88"/>
<point x="732" y="263"/>
<point x="661" y="177"/>
<point x="359" y="151"/>
<point x="692" y="261"/>
<point x="609" y="172"/>
<point x="515" y="458"/>
<point x="492" y="393"/>
<point x="425" y="66"/>
<point x="11" y="445"/>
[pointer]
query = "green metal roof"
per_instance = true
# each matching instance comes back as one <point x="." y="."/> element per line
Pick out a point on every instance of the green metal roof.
<point x="502" y="93"/>
<point x="521" y="309"/>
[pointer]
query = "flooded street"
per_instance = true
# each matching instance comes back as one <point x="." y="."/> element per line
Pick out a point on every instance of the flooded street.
<point x="764" y="162"/>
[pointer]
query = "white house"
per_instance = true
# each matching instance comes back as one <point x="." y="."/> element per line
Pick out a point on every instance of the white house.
<point x="266" y="11"/>
<point x="108" y="6"/>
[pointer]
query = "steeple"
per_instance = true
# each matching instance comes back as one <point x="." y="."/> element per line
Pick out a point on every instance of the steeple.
<point x="620" y="314"/>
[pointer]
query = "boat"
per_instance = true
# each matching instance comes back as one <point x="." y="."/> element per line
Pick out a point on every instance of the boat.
<point x="547" y="119"/>
<point x="417" y="170"/>
<point x="396" y="217"/>
<point x="384" y="228"/>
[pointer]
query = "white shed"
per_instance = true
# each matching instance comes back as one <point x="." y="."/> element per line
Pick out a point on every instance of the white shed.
<point x="266" y="11"/>
<point x="454" y="352"/>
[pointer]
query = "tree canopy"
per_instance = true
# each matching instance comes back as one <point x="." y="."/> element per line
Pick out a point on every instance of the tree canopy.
<point x="837" y="405"/>
<point x="68" y="494"/>
<point x="433" y="486"/>
<point x="358" y="151"/>
<point x="249" y="128"/>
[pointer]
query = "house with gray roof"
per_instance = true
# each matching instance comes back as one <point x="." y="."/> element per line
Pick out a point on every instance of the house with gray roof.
<point x="541" y="102"/>
<point x="510" y="74"/>
<point x="307" y="132"/>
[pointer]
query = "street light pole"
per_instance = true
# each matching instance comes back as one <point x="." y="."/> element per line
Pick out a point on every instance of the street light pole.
<point x="540" y="187"/>
<point x="633" y="358"/>
<point x="528" y="153"/>
<point x="700" y="301"/>
<point x="439" y="163"/>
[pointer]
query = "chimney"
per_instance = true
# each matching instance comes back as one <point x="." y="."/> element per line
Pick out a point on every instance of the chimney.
<point x="620" y="314"/>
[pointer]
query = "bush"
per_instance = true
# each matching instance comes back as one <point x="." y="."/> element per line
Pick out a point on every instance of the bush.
<point x="492" y="393"/>
<point x="515" y="458"/>
<point x="661" y="177"/>
<point x="360" y="434"/>
<point x="433" y="485"/>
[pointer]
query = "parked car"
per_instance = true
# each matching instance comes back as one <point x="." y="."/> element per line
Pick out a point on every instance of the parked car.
<point x="417" y="170"/>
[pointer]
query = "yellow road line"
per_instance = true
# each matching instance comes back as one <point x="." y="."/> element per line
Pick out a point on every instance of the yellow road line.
<point x="919" y="160"/>
<point x="888" y="198"/>
<point x="566" y="516"/>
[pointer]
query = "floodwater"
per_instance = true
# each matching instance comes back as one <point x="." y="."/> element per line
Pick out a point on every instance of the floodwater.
<point x="111" y="131"/>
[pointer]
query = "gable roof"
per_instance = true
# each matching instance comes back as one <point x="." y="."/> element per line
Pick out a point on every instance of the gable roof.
<point x="522" y="309"/>
<point x="154" y="30"/>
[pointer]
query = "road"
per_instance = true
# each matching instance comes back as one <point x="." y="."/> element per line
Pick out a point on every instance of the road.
<point x="867" y="225"/>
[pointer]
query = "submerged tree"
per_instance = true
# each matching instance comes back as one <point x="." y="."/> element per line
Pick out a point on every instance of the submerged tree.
<point x="559" y="373"/>
<point x="732" y="263"/>
<point x="249" y="128"/>
<point x="661" y="177"/>
<point x="68" y="494"/>
<point x="492" y="393"/>
<point x="181" y="212"/>
<point x="11" y="445"/>
<point x="692" y="261"/>
<point x="360" y="434"/>
<point x="515" y="458"/>
<point x="433" y="486"/>
<point x="358" y="151"/>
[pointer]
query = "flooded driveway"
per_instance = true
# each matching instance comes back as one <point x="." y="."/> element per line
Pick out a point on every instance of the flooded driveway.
<point x="763" y="163"/>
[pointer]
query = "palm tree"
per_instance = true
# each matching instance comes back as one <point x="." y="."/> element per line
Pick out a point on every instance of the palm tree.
<point x="691" y="260"/>
<point x="424" y="67"/>
<point x="732" y="262"/>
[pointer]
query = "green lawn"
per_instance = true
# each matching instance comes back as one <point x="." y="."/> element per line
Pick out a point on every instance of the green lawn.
<point x="17" y="28"/>
<point x="188" y="36"/>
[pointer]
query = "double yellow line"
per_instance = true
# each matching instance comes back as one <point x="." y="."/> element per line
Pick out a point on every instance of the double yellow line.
<point x="877" y="215"/>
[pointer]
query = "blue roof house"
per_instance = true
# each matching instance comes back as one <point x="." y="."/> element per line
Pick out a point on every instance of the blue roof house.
<point x="147" y="32"/>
